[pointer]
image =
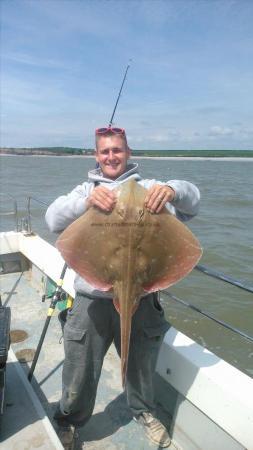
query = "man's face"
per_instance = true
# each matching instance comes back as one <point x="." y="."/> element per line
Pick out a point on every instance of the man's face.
<point x="112" y="154"/>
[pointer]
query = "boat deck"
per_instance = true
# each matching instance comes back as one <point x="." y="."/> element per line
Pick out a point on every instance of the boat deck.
<point x="111" y="425"/>
<point x="24" y="423"/>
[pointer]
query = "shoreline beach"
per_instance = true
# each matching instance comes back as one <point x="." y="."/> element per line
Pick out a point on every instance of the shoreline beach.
<point x="161" y="158"/>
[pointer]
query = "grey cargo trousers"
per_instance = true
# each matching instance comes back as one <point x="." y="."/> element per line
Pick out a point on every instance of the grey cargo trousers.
<point x="92" y="325"/>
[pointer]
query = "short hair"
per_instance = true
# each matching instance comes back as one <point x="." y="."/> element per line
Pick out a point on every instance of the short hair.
<point x="111" y="133"/>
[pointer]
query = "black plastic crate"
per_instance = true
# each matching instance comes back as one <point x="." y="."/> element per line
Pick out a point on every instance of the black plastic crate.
<point x="5" y="321"/>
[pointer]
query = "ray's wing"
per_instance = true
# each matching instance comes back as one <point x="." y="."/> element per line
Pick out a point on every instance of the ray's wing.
<point x="89" y="246"/>
<point x="170" y="253"/>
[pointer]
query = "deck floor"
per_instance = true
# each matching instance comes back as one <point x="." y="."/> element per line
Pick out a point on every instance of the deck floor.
<point x="24" y="424"/>
<point x="111" y="425"/>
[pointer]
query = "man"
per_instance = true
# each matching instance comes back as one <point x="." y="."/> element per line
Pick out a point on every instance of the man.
<point x="86" y="334"/>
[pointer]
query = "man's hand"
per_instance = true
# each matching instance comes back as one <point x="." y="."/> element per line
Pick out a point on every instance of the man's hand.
<point x="157" y="196"/>
<point x="102" y="198"/>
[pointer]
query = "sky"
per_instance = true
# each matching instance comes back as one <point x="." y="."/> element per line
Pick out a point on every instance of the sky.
<point x="189" y="85"/>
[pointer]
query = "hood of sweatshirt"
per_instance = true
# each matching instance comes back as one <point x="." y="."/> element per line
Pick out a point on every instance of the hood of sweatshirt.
<point x="96" y="175"/>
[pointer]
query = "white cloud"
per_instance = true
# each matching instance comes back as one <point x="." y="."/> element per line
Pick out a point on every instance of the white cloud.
<point x="218" y="130"/>
<point x="31" y="60"/>
<point x="237" y="131"/>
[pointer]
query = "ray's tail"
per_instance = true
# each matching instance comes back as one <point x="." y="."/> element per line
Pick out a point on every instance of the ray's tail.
<point x="126" y="313"/>
<point x="125" y="332"/>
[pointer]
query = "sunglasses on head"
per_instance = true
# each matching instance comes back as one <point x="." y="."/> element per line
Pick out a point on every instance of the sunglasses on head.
<point x="110" y="130"/>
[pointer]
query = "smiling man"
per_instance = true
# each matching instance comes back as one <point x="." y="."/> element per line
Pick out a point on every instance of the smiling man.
<point x="112" y="154"/>
<point x="87" y="337"/>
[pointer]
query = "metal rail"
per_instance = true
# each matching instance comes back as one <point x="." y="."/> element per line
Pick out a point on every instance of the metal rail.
<point x="209" y="316"/>
<point x="221" y="276"/>
<point x="29" y="216"/>
<point x="14" y="211"/>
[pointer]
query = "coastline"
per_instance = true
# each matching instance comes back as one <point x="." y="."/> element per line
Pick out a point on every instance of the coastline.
<point x="193" y="158"/>
<point x="161" y="158"/>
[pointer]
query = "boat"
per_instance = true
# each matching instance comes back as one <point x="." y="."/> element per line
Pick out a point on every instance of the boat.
<point x="205" y="402"/>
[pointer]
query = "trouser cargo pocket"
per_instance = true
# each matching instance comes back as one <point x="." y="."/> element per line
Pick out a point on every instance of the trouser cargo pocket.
<point x="74" y="342"/>
<point x="154" y="335"/>
<point x="157" y="331"/>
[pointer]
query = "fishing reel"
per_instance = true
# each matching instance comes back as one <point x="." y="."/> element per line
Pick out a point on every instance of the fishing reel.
<point x="59" y="296"/>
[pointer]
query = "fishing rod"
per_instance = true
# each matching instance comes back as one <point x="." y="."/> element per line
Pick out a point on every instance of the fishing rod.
<point x="117" y="101"/>
<point x="57" y="297"/>
<point x="209" y="316"/>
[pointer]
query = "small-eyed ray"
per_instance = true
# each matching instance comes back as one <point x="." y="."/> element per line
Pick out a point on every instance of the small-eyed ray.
<point x="129" y="252"/>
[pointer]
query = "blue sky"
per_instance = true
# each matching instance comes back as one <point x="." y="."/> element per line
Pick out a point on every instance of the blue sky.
<point x="189" y="85"/>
